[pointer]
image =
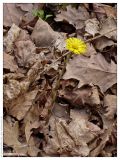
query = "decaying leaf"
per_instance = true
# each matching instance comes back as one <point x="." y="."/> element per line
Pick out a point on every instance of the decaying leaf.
<point x="108" y="25"/>
<point x="11" y="133"/>
<point x="69" y="139"/>
<point x="19" y="107"/>
<point x="81" y="97"/>
<point x="92" y="26"/>
<point x="76" y="17"/>
<point x="110" y="102"/>
<point x="102" y="43"/>
<point x="102" y="10"/>
<point x="94" y="70"/>
<point x="26" y="53"/>
<point x="11" y="14"/>
<point x="12" y="35"/>
<point x="9" y="63"/>
<point x="43" y="35"/>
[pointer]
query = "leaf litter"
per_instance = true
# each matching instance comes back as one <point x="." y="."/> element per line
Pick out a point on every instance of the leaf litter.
<point x="54" y="106"/>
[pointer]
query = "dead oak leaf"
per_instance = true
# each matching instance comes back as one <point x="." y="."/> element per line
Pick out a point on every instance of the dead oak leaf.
<point x="94" y="70"/>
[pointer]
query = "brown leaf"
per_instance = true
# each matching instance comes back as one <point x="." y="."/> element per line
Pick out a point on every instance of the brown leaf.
<point x="19" y="107"/>
<point x="33" y="148"/>
<point x="102" y="43"/>
<point x="9" y="63"/>
<point x="74" y="16"/>
<point x="11" y="134"/>
<point x="10" y="38"/>
<point x="29" y="126"/>
<point x="94" y="70"/>
<point x="110" y="101"/>
<point x="25" y="6"/>
<point x="25" y="53"/>
<point x="15" y="13"/>
<point x="92" y="26"/>
<point x="108" y="25"/>
<point x="69" y="139"/>
<point x="11" y="14"/>
<point x="43" y="35"/>
<point x="103" y="10"/>
<point x="81" y="97"/>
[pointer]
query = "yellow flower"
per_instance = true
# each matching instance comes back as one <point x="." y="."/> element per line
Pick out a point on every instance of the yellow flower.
<point x="76" y="45"/>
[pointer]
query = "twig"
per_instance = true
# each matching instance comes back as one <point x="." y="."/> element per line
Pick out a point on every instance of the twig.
<point x="92" y="39"/>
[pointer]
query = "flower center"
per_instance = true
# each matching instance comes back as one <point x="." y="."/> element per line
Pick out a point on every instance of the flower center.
<point x="75" y="46"/>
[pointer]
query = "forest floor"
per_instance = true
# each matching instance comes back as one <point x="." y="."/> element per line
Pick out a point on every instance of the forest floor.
<point x="56" y="102"/>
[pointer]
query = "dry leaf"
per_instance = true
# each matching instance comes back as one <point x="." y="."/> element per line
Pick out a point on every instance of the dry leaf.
<point x="69" y="139"/>
<point x="81" y="97"/>
<point x="43" y="35"/>
<point x="108" y="25"/>
<point x="92" y="26"/>
<point x="11" y="134"/>
<point x="12" y="35"/>
<point x="9" y="63"/>
<point x="102" y="43"/>
<point x="19" y="107"/>
<point x="103" y="10"/>
<point x="94" y="70"/>
<point x="110" y="103"/>
<point x="74" y="16"/>
<point x="33" y="148"/>
<point x="11" y="14"/>
<point x="26" y="53"/>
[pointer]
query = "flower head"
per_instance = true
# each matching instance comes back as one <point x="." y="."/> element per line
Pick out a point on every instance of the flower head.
<point x="76" y="45"/>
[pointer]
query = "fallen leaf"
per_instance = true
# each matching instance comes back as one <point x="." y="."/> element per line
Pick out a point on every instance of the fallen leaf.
<point x="102" y="43"/>
<point x="12" y="35"/>
<point x="19" y="107"/>
<point x="81" y="97"/>
<point x="74" y="16"/>
<point x="43" y="35"/>
<point x="33" y="148"/>
<point x="25" y="53"/>
<point x="103" y="10"/>
<point x="9" y="63"/>
<point x="25" y="6"/>
<point x="108" y="25"/>
<point x="92" y="26"/>
<point x="11" y="134"/>
<point x="69" y="139"/>
<point x="110" y="103"/>
<point x="11" y="14"/>
<point x="15" y="13"/>
<point x="94" y="70"/>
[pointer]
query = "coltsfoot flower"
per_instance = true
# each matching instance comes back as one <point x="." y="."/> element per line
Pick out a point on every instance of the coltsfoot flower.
<point x="76" y="45"/>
